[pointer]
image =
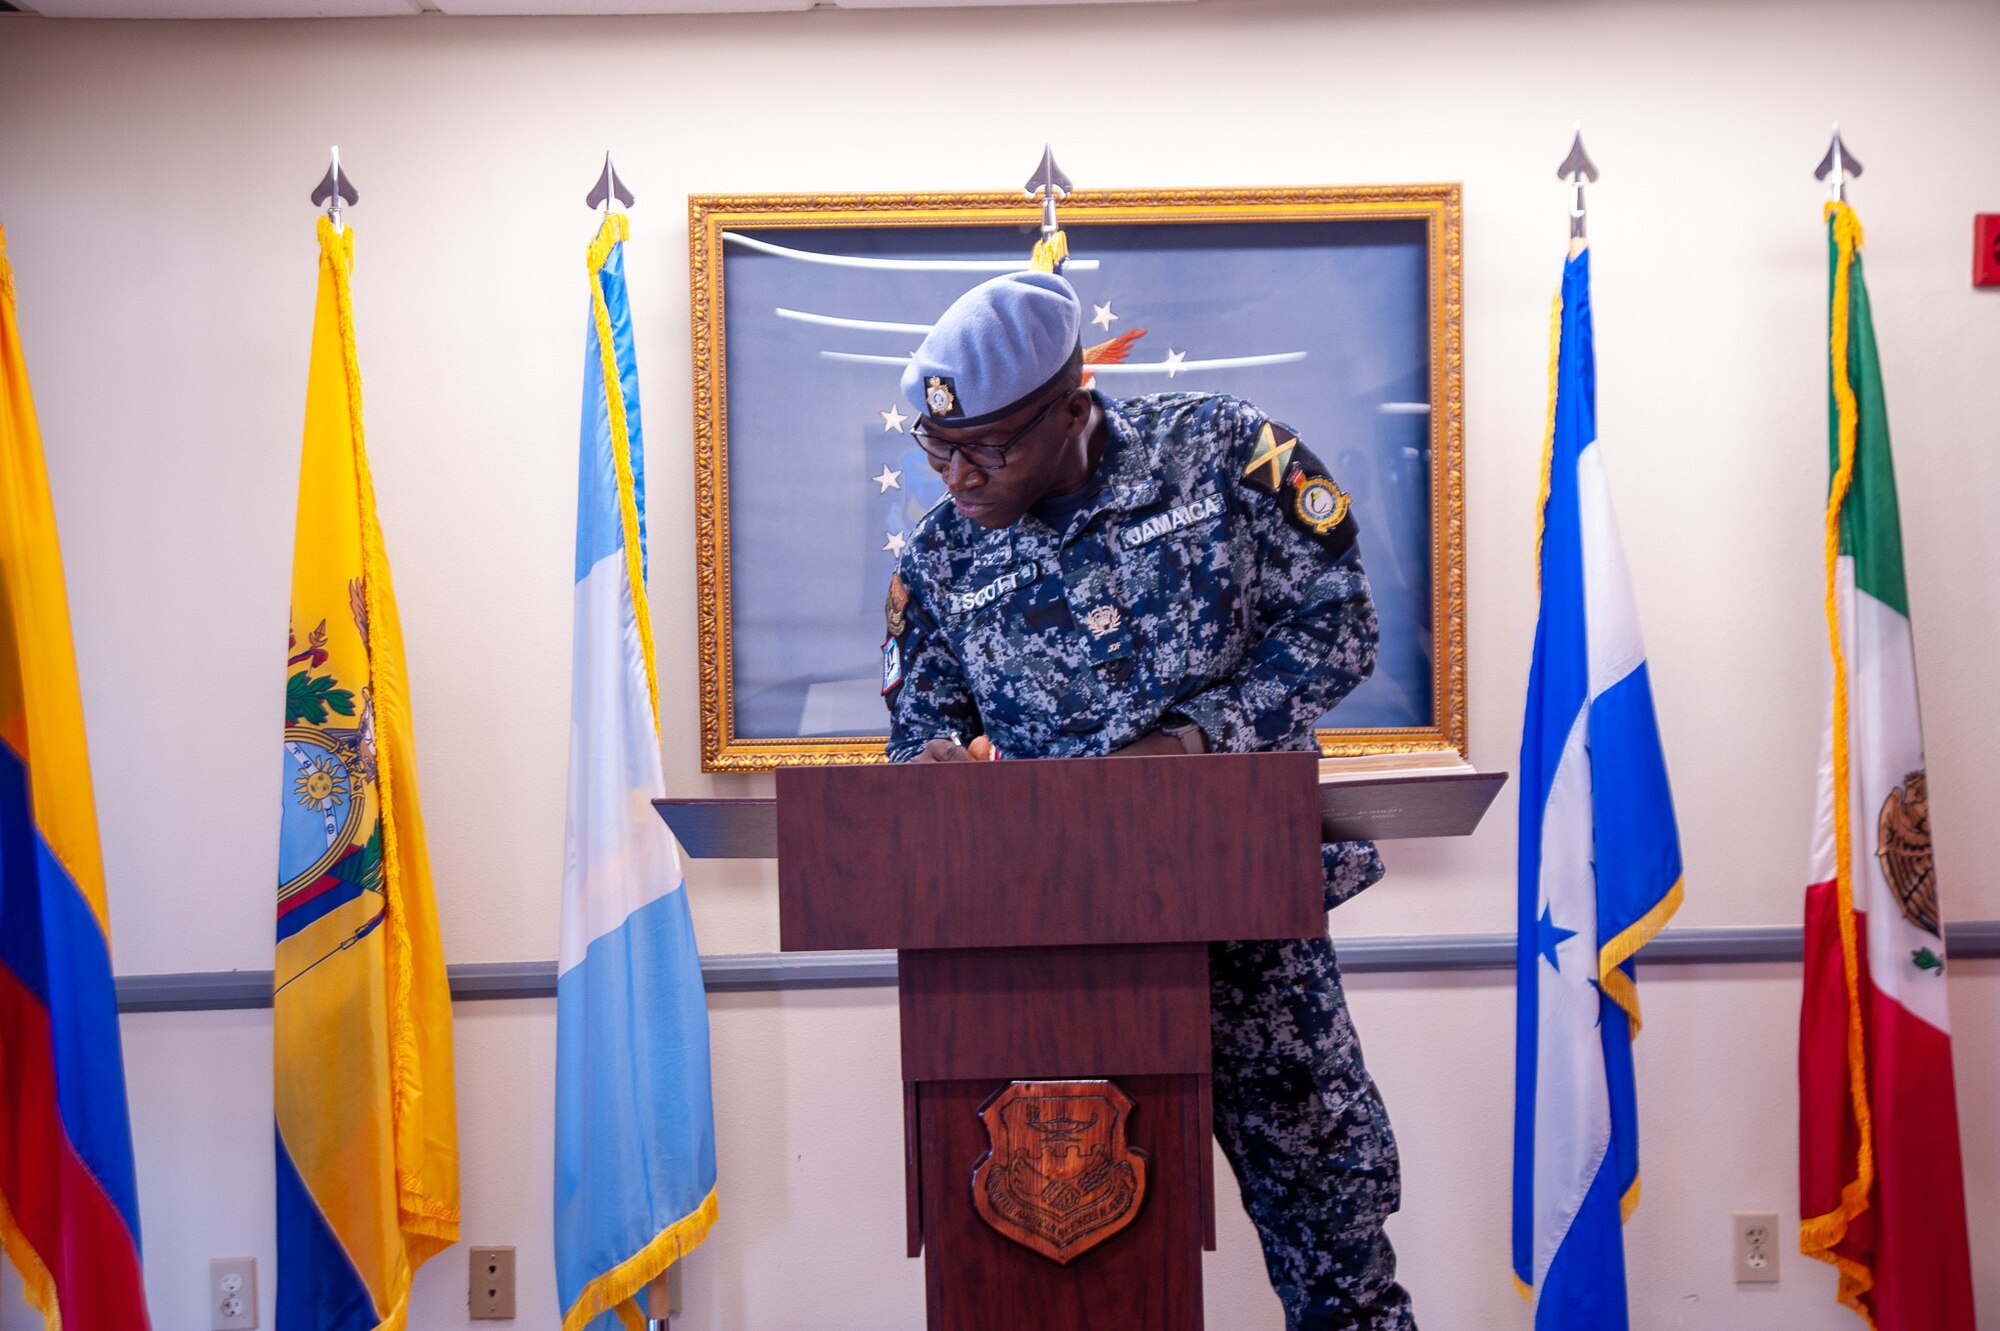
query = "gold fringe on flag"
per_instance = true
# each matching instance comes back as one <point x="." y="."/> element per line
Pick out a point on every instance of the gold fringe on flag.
<point x="1820" y="1235"/>
<point x="1050" y="253"/>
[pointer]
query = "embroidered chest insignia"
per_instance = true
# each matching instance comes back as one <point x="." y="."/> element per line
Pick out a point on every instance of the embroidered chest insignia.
<point x="1103" y="620"/>
<point x="1174" y="519"/>
<point x="1015" y="578"/>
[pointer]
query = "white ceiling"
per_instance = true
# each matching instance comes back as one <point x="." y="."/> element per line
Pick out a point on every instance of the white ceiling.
<point x="218" y="8"/>
<point x="185" y="9"/>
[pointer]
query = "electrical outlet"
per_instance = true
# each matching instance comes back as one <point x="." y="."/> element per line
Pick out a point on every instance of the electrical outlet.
<point x="1756" y="1247"/>
<point x="232" y="1293"/>
<point x="491" y="1291"/>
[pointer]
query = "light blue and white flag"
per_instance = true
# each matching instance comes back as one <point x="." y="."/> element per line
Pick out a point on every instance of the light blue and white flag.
<point x="635" y="1123"/>
<point x="1600" y="871"/>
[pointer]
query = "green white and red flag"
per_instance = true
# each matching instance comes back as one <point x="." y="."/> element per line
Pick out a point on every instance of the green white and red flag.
<point x="1881" y="1186"/>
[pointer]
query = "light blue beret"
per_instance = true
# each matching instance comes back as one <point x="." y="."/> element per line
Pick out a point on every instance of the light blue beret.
<point x="1000" y="345"/>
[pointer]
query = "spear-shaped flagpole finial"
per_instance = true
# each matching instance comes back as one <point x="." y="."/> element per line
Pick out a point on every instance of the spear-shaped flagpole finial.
<point x="1576" y="169"/>
<point x="1840" y="164"/>
<point x="1048" y="184"/>
<point x="334" y="188"/>
<point x="608" y="188"/>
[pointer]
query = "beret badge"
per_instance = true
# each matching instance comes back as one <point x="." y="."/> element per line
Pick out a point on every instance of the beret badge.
<point x="939" y="397"/>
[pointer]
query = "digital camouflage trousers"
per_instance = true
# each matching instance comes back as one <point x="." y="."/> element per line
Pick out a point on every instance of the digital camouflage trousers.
<point x="1302" y="1124"/>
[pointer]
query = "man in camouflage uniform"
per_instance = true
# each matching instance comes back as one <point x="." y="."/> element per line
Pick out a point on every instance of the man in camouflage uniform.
<point x="1167" y="574"/>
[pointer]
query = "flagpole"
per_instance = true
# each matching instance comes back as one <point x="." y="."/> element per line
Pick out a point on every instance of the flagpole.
<point x="1838" y="167"/>
<point x="1577" y="168"/>
<point x="609" y="192"/>
<point x="335" y="187"/>
<point x="659" y="1301"/>
<point x="1049" y="184"/>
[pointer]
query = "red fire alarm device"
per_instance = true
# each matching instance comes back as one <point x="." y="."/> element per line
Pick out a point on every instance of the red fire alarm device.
<point x="1986" y="249"/>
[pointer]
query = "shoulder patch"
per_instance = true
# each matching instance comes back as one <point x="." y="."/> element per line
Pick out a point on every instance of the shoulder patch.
<point x="899" y="600"/>
<point x="892" y="666"/>
<point x="1269" y="458"/>
<point x="1315" y="504"/>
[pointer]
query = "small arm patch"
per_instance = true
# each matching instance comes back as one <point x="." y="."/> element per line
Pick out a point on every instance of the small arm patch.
<point x="892" y="666"/>
<point x="1315" y="504"/>
<point x="893" y="608"/>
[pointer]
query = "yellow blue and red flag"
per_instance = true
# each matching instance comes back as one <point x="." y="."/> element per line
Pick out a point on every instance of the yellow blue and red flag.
<point x="635" y="1121"/>
<point x="69" y="1205"/>
<point x="367" y="1131"/>
<point x="1599" y="870"/>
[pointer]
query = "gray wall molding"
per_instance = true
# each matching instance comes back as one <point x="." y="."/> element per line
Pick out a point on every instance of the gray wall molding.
<point x="208" y="991"/>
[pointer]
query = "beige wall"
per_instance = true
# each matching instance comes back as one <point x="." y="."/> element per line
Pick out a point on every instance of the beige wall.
<point x="153" y="182"/>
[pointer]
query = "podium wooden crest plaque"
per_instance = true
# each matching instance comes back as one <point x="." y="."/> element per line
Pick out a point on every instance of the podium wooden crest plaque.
<point x="1059" y="1177"/>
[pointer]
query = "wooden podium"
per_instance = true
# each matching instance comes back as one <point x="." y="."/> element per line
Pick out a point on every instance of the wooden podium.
<point x="1052" y="920"/>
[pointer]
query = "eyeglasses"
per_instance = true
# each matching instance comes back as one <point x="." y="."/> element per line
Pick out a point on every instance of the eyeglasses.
<point x="986" y="457"/>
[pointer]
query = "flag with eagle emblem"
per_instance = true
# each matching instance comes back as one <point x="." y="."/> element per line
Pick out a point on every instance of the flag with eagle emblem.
<point x="1881" y="1186"/>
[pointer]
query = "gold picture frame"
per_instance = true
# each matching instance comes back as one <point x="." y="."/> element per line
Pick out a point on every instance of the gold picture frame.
<point x="932" y="221"/>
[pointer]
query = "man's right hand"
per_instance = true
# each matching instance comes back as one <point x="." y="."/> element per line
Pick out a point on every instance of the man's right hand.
<point x="943" y="751"/>
<point x="949" y="751"/>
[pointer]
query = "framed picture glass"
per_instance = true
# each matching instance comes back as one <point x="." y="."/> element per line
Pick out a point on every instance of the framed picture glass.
<point x="1336" y="310"/>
